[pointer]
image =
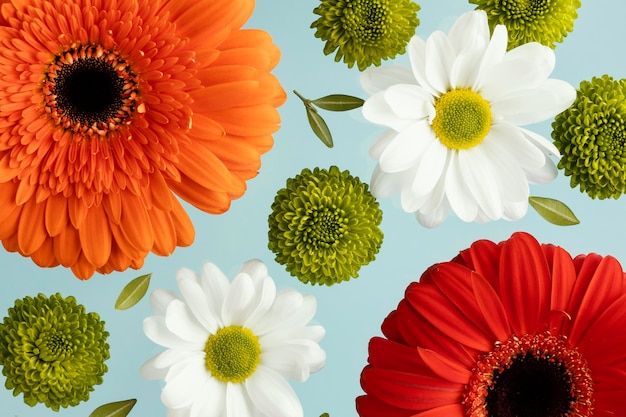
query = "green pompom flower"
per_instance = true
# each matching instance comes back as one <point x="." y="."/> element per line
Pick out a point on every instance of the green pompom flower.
<point x="591" y="136"/>
<point x="324" y="226"/>
<point x="365" y="31"/>
<point x="543" y="21"/>
<point x="52" y="351"/>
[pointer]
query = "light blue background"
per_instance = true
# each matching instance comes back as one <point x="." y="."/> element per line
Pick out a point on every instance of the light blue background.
<point x="352" y="311"/>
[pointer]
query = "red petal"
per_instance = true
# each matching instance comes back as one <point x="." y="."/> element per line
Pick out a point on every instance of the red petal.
<point x="452" y="410"/>
<point x="483" y="257"/>
<point x="405" y="390"/>
<point x="387" y="354"/>
<point x="444" y="315"/>
<point x="368" y="406"/>
<point x="491" y="307"/>
<point x="603" y="343"/>
<point x="444" y="367"/>
<point x="604" y="287"/>
<point x="563" y="281"/>
<point x="524" y="283"/>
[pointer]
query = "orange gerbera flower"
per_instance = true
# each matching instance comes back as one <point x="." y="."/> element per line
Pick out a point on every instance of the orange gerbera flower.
<point x="108" y="107"/>
<point x="515" y="329"/>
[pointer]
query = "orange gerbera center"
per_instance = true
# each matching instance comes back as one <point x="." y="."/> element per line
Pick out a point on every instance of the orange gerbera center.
<point x="90" y="90"/>
<point x="534" y="375"/>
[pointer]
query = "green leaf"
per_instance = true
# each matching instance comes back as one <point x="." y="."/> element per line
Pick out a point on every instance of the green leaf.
<point x="116" y="409"/>
<point x="338" y="102"/>
<point x="553" y="211"/>
<point x="319" y="126"/>
<point x="133" y="292"/>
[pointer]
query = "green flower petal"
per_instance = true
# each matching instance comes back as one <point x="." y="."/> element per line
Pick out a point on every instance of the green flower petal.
<point x="324" y="226"/>
<point x="52" y="351"/>
<point x="365" y="31"/>
<point x="543" y="21"/>
<point x="591" y="136"/>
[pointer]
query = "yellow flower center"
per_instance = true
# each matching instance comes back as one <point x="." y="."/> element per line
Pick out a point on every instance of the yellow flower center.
<point x="232" y="354"/>
<point x="462" y="118"/>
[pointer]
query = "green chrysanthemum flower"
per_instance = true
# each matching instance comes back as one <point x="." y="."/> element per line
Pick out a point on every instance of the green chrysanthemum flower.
<point x="365" y="31"/>
<point x="52" y="351"/>
<point x="591" y="136"/>
<point x="543" y="21"/>
<point x="324" y="226"/>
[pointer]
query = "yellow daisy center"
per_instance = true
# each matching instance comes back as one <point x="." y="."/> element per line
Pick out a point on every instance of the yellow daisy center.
<point x="232" y="354"/>
<point x="462" y="118"/>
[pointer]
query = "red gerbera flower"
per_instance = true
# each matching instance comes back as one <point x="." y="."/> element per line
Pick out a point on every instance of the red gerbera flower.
<point x="108" y="107"/>
<point x="514" y="329"/>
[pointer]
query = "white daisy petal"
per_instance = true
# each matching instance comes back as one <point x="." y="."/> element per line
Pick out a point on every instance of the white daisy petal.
<point x="440" y="56"/>
<point x="469" y="28"/>
<point x="182" y="387"/>
<point x="255" y="268"/>
<point x="384" y="184"/>
<point x="541" y="142"/>
<point x="543" y="175"/>
<point x="436" y="217"/>
<point x="238" y="403"/>
<point x="199" y="303"/>
<point x="511" y="138"/>
<point x="430" y="169"/>
<point x="296" y="360"/>
<point x="149" y="370"/>
<point x="266" y="294"/>
<point x="459" y="196"/>
<point x="212" y="401"/>
<point x="532" y="106"/>
<point x="515" y="211"/>
<point x="381" y="143"/>
<point x="160" y="299"/>
<point x="375" y="79"/>
<point x="409" y="101"/>
<point x="155" y="328"/>
<point x="511" y="178"/>
<point x="407" y="147"/>
<point x="178" y="412"/>
<point x="215" y="285"/>
<point x="181" y="321"/>
<point x="272" y="395"/>
<point x="239" y="300"/>
<point x="465" y="69"/>
<point x="480" y="179"/>
<point x="417" y="56"/>
<point x="377" y="110"/>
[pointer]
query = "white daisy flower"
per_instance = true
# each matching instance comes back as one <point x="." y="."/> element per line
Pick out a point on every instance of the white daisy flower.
<point x="232" y="346"/>
<point x="455" y="140"/>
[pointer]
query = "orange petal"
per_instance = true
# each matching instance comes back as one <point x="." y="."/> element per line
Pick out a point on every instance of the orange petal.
<point x="83" y="269"/>
<point x="206" y="200"/>
<point x="67" y="246"/>
<point x="56" y="216"/>
<point x="31" y="230"/>
<point x="135" y="223"/>
<point x="44" y="256"/>
<point x="160" y="192"/>
<point x="185" y="233"/>
<point x="78" y="211"/>
<point x="95" y="237"/>
<point x="203" y="167"/>
<point x="165" y="232"/>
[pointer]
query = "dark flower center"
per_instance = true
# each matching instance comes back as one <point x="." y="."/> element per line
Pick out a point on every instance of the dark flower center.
<point x="526" y="9"/>
<point x="530" y="376"/>
<point x="367" y="20"/>
<point x="53" y="346"/>
<point x="90" y="91"/>
<point x="531" y="387"/>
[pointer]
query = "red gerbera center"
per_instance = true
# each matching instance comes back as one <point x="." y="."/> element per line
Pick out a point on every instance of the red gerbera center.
<point x="534" y="375"/>
<point x="71" y="99"/>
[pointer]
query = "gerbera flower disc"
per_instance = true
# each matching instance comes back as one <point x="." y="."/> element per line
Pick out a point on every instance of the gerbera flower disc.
<point x="110" y="107"/>
<point x="591" y="135"/>
<point x="232" y="346"/>
<point x="543" y="21"/>
<point x="324" y="226"/>
<point x="52" y="351"/>
<point x="364" y="32"/>
<point x="509" y="329"/>
<point x="456" y="116"/>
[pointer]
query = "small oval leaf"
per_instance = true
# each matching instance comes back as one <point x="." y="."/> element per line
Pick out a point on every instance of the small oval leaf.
<point x="133" y="292"/>
<point x="115" y="409"/>
<point x="553" y="211"/>
<point x="338" y="102"/>
<point x="320" y="128"/>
